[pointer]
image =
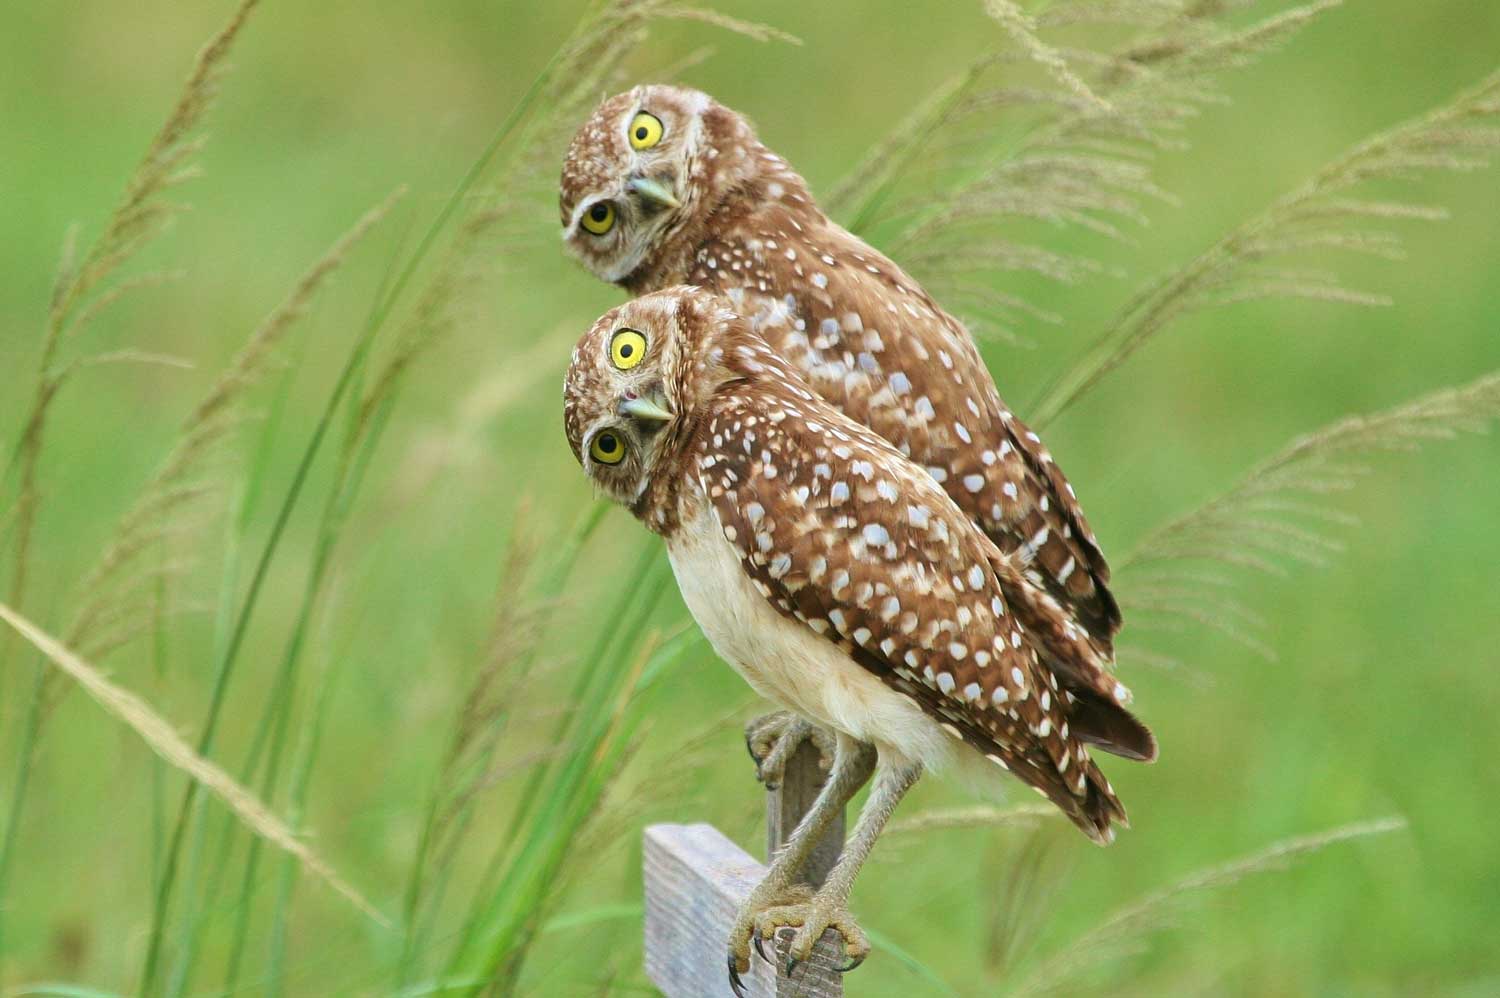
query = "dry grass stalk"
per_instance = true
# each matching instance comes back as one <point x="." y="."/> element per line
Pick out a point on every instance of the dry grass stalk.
<point x="1022" y="30"/>
<point x="1277" y="513"/>
<point x="468" y="766"/>
<point x="163" y="739"/>
<point x="589" y="62"/>
<point x="1263" y="257"/>
<point x="142" y="214"/>
<point x="977" y="816"/>
<point x="1125" y="932"/>
<point x="667" y="788"/>
<point x="107" y="589"/>
<point x="592" y="62"/>
<point x="980" y="155"/>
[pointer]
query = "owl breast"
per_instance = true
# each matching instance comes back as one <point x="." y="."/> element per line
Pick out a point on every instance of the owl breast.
<point x="785" y="661"/>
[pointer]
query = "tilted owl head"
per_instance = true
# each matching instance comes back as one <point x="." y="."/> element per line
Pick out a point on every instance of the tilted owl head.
<point x="636" y="380"/>
<point x="646" y="168"/>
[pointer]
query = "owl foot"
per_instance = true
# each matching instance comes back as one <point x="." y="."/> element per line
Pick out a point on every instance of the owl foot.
<point x="810" y="919"/>
<point x="767" y="896"/>
<point x="773" y="738"/>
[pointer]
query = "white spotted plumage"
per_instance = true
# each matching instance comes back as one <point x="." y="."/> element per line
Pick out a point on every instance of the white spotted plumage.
<point x="893" y="622"/>
<point x="861" y="331"/>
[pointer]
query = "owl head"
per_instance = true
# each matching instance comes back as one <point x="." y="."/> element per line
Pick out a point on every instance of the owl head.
<point x="636" y="382"/>
<point x="645" y="172"/>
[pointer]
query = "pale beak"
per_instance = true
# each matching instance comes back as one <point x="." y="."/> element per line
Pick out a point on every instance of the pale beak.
<point x="640" y="408"/>
<point x="655" y="191"/>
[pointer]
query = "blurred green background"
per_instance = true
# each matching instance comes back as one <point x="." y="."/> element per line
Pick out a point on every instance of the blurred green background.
<point x="1381" y="700"/>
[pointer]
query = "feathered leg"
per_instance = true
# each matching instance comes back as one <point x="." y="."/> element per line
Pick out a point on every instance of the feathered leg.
<point x="828" y="908"/>
<point x="853" y="763"/>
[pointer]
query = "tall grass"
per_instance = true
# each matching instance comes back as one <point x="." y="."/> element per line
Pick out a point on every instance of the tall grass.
<point x="84" y="287"/>
<point x="531" y="776"/>
<point x="120" y="597"/>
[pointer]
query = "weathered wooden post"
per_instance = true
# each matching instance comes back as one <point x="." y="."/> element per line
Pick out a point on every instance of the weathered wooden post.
<point x="696" y="879"/>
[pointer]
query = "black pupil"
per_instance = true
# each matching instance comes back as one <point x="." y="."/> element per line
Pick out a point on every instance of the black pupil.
<point x="626" y="350"/>
<point x="641" y="133"/>
<point x="598" y="212"/>
<point x="607" y="444"/>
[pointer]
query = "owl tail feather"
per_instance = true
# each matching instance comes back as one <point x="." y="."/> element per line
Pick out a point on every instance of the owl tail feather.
<point x="1094" y="808"/>
<point x="1099" y="809"/>
<point x="1082" y="665"/>
<point x="1102" y="722"/>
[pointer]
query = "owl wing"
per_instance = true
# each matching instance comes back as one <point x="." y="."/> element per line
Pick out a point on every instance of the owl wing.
<point x="840" y="533"/>
<point x="868" y="339"/>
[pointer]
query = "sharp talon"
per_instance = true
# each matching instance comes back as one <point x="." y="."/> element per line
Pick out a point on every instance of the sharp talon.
<point x="735" y="984"/>
<point x="853" y="963"/>
<point x="753" y="757"/>
<point x="791" y="964"/>
<point x="757" y="942"/>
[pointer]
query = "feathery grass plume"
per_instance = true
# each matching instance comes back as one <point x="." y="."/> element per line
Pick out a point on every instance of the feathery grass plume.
<point x="163" y="739"/>
<point x="468" y="765"/>
<point x="666" y="788"/>
<point x="1277" y="513"/>
<point x="432" y="314"/>
<point x="1022" y="30"/>
<point x="589" y="62"/>
<point x="562" y="798"/>
<point x="1265" y="257"/>
<point x="1127" y="932"/>
<point x="82" y="289"/>
<point x="1017" y="913"/>
<point x="528" y="889"/>
<point x="115" y="594"/>
<point x="483" y="715"/>
<point x="469" y="762"/>
<point x="976" y="816"/>
<point x="595" y="47"/>
<point x="111" y="592"/>
<point x="943" y="191"/>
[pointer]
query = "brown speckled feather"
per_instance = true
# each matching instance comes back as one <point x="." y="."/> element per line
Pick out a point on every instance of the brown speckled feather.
<point x="842" y="533"/>
<point x="871" y="341"/>
<point x="816" y="556"/>
<point x="862" y="333"/>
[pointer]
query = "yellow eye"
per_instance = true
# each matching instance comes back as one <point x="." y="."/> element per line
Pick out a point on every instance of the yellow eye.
<point x="627" y="348"/>
<point x="600" y="218"/>
<point x="645" y="131"/>
<point x="607" y="449"/>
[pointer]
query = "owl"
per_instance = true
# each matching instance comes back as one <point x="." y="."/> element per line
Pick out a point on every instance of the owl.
<point x="842" y="582"/>
<point x="663" y="185"/>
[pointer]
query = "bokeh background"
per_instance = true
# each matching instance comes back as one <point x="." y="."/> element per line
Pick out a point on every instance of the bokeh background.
<point x="1380" y="701"/>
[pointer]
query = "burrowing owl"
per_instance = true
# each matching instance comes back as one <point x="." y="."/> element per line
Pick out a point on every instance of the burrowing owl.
<point x="841" y="581"/>
<point x="665" y="186"/>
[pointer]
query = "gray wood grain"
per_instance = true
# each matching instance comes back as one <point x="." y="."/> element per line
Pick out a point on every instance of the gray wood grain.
<point x="696" y="880"/>
<point x="786" y="805"/>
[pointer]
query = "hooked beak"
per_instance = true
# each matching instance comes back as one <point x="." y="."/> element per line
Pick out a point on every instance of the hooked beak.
<point x="655" y="191"/>
<point x="645" y="409"/>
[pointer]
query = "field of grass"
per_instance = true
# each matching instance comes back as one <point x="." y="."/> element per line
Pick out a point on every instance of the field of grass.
<point x="288" y="466"/>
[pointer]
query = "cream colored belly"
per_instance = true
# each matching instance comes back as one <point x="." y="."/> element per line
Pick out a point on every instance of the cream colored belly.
<point x="785" y="661"/>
